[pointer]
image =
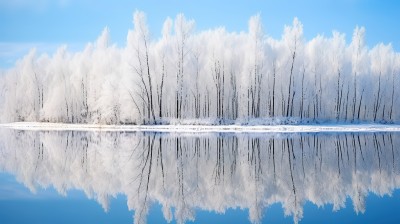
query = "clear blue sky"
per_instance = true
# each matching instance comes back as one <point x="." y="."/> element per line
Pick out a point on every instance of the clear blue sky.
<point x="45" y="24"/>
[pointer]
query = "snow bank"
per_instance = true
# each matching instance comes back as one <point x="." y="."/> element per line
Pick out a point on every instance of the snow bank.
<point x="187" y="128"/>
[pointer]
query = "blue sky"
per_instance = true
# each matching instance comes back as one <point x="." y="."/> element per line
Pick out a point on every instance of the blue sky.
<point x="46" y="24"/>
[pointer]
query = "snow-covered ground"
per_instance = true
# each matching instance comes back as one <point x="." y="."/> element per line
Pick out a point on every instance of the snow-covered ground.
<point x="367" y="127"/>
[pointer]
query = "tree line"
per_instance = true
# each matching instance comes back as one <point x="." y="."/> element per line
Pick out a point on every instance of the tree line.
<point x="212" y="76"/>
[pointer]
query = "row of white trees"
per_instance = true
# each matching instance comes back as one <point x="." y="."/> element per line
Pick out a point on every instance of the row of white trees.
<point x="210" y="76"/>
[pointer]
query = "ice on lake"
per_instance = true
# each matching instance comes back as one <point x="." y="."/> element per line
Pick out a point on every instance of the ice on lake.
<point x="184" y="174"/>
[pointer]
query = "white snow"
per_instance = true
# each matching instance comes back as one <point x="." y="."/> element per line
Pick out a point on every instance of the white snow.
<point x="222" y="75"/>
<point x="367" y="127"/>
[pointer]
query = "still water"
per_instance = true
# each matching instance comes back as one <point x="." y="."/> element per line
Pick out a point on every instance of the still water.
<point x="136" y="177"/>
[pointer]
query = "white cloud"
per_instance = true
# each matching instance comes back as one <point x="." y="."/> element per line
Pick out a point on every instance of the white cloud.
<point x="36" y="5"/>
<point x="10" y="52"/>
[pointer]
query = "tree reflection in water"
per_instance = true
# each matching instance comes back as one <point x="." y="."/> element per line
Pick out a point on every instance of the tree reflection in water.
<point x="212" y="172"/>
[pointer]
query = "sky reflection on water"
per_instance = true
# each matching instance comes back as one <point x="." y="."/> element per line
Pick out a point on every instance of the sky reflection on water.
<point x="189" y="178"/>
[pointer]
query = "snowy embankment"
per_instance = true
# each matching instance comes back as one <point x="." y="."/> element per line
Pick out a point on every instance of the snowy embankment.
<point x="185" y="128"/>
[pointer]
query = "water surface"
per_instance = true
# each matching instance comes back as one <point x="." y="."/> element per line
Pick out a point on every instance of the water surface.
<point x="125" y="177"/>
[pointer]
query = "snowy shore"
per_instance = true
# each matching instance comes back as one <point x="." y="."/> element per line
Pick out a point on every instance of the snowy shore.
<point x="186" y="128"/>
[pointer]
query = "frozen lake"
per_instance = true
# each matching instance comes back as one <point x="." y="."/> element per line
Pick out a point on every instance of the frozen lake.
<point x="279" y="174"/>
